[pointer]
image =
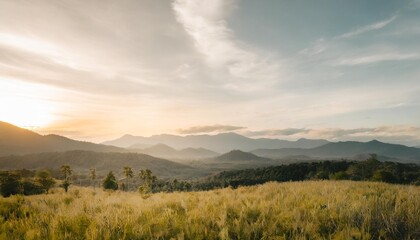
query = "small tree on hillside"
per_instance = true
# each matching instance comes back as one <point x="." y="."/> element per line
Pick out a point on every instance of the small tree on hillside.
<point x="110" y="182"/>
<point x="93" y="176"/>
<point x="128" y="172"/>
<point x="66" y="172"/>
<point x="44" y="179"/>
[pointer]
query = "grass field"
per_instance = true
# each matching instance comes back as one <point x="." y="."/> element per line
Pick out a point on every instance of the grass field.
<point x="292" y="210"/>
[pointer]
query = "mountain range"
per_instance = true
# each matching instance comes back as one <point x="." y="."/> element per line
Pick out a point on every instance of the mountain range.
<point x="222" y="142"/>
<point x="53" y="150"/>
<point x="350" y="149"/>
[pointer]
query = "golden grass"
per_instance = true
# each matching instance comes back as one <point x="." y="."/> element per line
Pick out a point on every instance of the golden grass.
<point x="293" y="210"/>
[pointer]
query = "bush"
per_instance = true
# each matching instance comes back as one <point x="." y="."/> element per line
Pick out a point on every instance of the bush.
<point x="10" y="184"/>
<point x="31" y="188"/>
<point x="110" y="182"/>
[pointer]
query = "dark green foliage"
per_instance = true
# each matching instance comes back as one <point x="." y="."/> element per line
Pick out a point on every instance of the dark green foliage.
<point x="383" y="175"/>
<point x="10" y="184"/>
<point x="110" y="182"/>
<point x="44" y="179"/>
<point x="342" y="175"/>
<point x="65" y="185"/>
<point x="30" y="187"/>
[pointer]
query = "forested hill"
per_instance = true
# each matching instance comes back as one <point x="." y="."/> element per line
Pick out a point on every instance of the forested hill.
<point x="369" y="170"/>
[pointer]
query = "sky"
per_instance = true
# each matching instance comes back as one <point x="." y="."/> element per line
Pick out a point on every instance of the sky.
<point x="95" y="70"/>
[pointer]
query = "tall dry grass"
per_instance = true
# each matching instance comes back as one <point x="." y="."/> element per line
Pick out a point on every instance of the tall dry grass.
<point x="294" y="210"/>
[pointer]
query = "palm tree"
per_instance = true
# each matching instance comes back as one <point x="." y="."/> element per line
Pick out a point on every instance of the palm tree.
<point x="128" y="172"/>
<point x="93" y="176"/>
<point x="66" y="171"/>
<point x="148" y="179"/>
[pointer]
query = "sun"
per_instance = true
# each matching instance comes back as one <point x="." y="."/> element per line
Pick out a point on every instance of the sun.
<point x="25" y="104"/>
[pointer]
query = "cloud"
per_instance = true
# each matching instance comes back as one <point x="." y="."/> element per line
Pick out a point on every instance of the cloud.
<point x="323" y="44"/>
<point x="205" y="22"/>
<point x="338" y="133"/>
<point x="403" y="134"/>
<point x="376" y="58"/>
<point x="277" y="132"/>
<point x="414" y="5"/>
<point x="209" y="129"/>
<point x="367" y="28"/>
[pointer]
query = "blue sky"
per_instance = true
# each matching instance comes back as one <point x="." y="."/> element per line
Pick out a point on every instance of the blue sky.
<point x="340" y="70"/>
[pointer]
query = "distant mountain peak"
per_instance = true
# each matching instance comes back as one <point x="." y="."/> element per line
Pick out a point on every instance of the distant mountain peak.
<point x="238" y="155"/>
<point x="161" y="146"/>
<point x="127" y="136"/>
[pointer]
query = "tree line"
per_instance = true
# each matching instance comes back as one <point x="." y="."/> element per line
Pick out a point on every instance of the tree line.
<point x="369" y="170"/>
<point x="27" y="183"/>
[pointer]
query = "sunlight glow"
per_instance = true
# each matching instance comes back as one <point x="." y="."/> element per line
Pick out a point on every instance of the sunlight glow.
<point x="28" y="44"/>
<point x="25" y="105"/>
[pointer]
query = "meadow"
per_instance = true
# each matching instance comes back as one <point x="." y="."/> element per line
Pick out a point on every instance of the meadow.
<point x="290" y="210"/>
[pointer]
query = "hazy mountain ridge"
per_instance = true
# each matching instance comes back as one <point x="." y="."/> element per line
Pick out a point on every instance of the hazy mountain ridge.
<point x="165" y="151"/>
<point x="238" y="155"/>
<point x="223" y="142"/>
<point x="15" y="140"/>
<point x="348" y="150"/>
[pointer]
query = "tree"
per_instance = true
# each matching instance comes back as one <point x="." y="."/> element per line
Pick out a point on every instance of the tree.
<point x="383" y="175"/>
<point x="110" y="182"/>
<point x="10" y="184"/>
<point x="44" y="179"/>
<point x="66" y="172"/>
<point x="30" y="187"/>
<point x="148" y="179"/>
<point x="128" y="172"/>
<point x="93" y="176"/>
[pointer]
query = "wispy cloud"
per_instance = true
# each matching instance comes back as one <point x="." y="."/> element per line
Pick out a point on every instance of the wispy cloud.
<point x="205" y="23"/>
<point x="367" y="28"/>
<point x="376" y="58"/>
<point x="209" y="129"/>
<point x="323" y="44"/>
<point x="277" y="132"/>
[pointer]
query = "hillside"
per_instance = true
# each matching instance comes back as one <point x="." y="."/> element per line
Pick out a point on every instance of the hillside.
<point x="15" y="140"/>
<point x="348" y="150"/>
<point x="82" y="161"/>
<point x="218" y="143"/>
<point x="165" y="151"/>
